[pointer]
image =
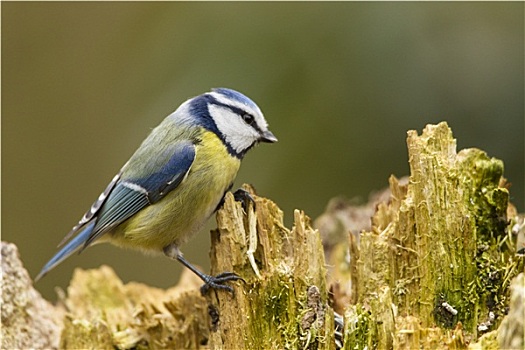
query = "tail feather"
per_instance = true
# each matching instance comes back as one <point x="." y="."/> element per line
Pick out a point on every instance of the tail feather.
<point x="75" y="244"/>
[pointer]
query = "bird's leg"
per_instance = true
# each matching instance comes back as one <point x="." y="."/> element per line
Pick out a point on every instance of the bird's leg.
<point x="214" y="282"/>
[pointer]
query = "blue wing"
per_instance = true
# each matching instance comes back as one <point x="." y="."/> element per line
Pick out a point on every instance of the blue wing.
<point x="123" y="198"/>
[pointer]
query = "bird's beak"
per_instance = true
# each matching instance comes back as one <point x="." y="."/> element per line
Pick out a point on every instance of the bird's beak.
<point x="268" y="137"/>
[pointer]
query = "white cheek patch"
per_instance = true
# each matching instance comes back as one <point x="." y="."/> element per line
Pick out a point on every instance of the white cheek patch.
<point x="256" y="112"/>
<point x="239" y="135"/>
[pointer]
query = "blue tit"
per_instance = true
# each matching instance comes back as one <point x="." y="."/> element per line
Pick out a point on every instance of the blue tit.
<point x="174" y="182"/>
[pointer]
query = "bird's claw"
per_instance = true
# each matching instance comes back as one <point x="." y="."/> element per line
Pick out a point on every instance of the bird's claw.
<point x="217" y="282"/>
<point x="243" y="196"/>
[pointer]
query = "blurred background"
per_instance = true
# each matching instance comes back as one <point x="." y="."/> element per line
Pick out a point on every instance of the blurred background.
<point x="340" y="84"/>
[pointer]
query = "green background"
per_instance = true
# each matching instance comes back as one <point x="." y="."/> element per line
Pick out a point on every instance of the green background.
<point x="340" y="84"/>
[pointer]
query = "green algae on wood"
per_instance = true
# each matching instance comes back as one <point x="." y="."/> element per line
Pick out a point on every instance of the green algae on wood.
<point x="285" y="308"/>
<point x="437" y="245"/>
<point x="435" y="270"/>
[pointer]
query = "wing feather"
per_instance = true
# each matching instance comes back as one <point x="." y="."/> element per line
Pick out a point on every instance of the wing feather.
<point x="120" y="206"/>
<point x="95" y="208"/>
<point x="132" y="195"/>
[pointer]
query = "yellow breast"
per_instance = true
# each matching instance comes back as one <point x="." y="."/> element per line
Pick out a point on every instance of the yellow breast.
<point x="180" y="214"/>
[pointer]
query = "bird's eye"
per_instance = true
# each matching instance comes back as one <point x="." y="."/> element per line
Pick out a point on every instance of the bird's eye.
<point x="248" y="118"/>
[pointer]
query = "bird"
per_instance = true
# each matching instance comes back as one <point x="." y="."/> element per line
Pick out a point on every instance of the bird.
<point x="174" y="182"/>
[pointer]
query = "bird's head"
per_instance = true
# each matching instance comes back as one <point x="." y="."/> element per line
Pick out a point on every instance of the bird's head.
<point x="235" y="118"/>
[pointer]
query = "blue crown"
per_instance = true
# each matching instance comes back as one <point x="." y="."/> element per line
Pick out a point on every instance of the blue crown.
<point x="236" y="96"/>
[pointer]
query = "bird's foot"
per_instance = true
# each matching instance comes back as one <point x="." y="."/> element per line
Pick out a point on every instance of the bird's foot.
<point x="213" y="282"/>
<point x="243" y="196"/>
<point x="217" y="282"/>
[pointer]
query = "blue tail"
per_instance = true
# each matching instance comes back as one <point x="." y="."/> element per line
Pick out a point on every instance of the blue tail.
<point x="71" y="247"/>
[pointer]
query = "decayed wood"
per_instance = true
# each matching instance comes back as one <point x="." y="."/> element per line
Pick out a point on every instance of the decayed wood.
<point x="28" y="321"/>
<point x="104" y="313"/>
<point x="287" y="306"/>
<point x="436" y="268"/>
